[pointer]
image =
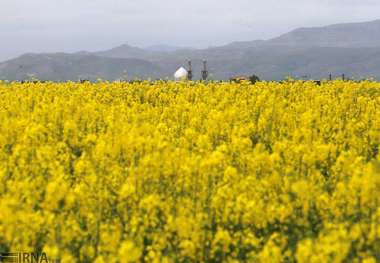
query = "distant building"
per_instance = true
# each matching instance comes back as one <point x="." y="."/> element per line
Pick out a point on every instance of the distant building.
<point x="181" y="74"/>
<point x="239" y="78"/>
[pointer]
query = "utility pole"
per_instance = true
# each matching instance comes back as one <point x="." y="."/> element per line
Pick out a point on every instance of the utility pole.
<point x="204" y="71"/>
<point x="343" y="77"/>
<point x="190" y="71"/>
<point x="330" y="77"/>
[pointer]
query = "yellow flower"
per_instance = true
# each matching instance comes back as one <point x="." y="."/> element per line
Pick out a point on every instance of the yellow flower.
<point x="191" y="172"/>
<point x="129" y="252"/>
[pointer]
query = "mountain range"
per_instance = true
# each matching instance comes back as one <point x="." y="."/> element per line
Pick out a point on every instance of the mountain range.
<point x="352" y="49"/>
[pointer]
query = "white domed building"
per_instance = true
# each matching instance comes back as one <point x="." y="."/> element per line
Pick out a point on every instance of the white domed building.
<point x="181" y="74"/>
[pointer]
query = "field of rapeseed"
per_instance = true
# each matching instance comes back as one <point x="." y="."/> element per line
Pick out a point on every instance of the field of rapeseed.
<point x="189" y="172"/>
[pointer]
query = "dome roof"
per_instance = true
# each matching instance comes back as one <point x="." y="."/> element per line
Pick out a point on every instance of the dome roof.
<point x="181" y="74"/>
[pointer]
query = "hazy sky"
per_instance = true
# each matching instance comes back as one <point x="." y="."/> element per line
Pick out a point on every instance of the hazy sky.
<point x="72" y="25"/>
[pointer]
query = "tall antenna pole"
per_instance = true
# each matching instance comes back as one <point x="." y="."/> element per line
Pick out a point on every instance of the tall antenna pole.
<point x="204" y="71"/>
<point x="190" y="71"/>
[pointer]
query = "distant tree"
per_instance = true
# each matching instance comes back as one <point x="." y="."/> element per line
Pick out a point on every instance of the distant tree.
<point x="124" y="77"/>
<point x="253" y="78"/>
<point x="31" y="77"/>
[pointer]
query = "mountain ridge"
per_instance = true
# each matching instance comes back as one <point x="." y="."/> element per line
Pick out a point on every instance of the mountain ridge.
<point x="351" y="48"/>
<point x="336" y="35"/>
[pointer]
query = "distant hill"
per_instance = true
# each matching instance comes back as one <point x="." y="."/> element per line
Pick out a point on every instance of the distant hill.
<point x="352" y="49"/>
<point x="125" y="51"/>
<point x="365" y="34"/>
<point x="61" y="67"/>
<point x="164" y="48"/>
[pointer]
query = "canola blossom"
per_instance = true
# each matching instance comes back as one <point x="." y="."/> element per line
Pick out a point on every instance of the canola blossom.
<point x="191" y="172"/>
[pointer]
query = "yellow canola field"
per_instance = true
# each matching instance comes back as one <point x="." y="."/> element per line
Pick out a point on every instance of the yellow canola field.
<point x="189" y="172"/>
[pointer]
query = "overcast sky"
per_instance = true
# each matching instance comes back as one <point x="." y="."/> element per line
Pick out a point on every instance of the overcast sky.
<point x="73" y="25"/>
